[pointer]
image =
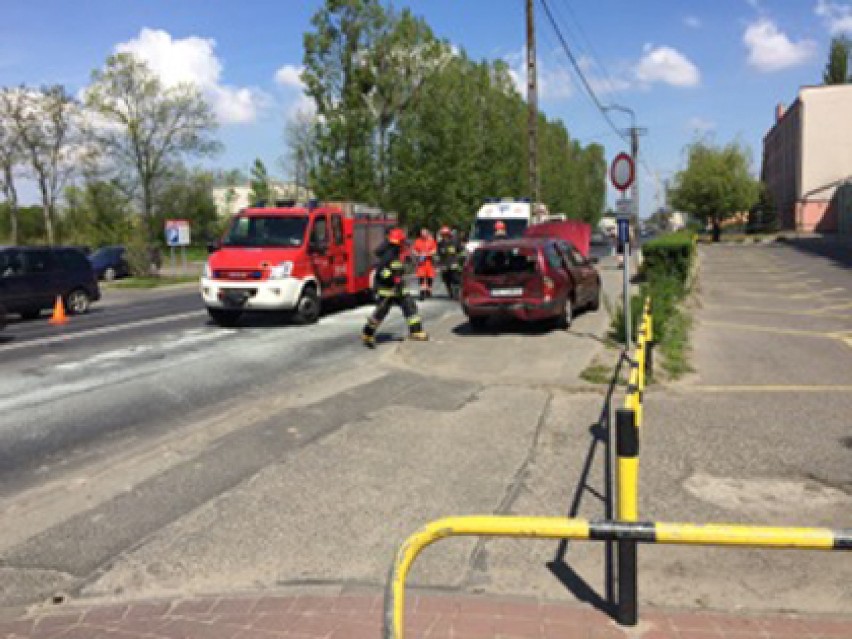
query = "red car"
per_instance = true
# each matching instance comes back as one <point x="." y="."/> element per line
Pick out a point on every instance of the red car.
<point x="530" y="279"/>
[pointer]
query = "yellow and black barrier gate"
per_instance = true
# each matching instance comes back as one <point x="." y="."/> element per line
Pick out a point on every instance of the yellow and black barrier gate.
<point x="628" y="421"/>
<point x="582" y="529"/>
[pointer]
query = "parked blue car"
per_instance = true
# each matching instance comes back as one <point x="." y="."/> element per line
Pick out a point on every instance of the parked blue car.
<point x="110" y="263"/>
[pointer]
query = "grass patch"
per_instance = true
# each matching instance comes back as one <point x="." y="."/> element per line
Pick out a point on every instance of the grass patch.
<point x="675" y="348"/>
<point x="151" y="282"/>
<point x="665" y="272"/>
<point x="597" y="373"/>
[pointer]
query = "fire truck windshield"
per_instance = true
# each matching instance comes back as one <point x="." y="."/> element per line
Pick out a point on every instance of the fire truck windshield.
<point x="267" y="231"/>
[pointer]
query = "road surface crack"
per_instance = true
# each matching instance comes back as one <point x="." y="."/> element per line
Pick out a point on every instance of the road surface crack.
<point x="477" y="569"/>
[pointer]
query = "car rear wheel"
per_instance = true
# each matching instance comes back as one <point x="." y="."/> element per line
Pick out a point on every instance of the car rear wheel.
<point x="31" y="314"/>
<point x="308" y="309"/>
<point x="77" y="302"/>
<point x="566" y="316"/>
<point x="224" y="317"/>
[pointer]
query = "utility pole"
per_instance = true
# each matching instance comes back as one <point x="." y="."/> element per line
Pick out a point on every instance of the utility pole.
<point x="634" y="153"/>
<point x="532" y="102"/>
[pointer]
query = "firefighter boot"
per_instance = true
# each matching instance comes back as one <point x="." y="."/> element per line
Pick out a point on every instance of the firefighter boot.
<point x="368" y="335"/>
<point x="419" y="336"/>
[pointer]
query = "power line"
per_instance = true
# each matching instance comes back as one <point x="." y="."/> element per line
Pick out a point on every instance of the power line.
<point x="591" y="51"/>
<point x="579" y="71"/>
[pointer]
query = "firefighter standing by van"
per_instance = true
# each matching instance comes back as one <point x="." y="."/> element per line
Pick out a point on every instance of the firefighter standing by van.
<point x="449" y="257"/>
<point x="390" y="288"/>
<point x="424" y="250"/>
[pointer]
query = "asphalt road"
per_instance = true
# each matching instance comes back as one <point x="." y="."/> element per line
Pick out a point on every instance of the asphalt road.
<point x="137" y="363"/>
<point x="126" y="424"/>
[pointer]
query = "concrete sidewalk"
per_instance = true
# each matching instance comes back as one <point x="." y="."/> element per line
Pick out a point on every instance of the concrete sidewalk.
<point x="347" y="614"/>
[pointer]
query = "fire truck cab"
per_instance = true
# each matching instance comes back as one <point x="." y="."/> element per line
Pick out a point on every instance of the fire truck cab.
<point x="292" y="257"/>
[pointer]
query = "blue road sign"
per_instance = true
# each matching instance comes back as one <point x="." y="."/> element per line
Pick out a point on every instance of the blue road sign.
<point x="173" y="236"/>
<point x="623" y="229"/>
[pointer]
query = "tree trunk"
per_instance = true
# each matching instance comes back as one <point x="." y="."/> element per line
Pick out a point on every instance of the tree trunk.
<point x="46" y="211"/>
<point x="147" y="205"/>
<point x="13" y="223"/>
<point x="717" y="228"/>
<point x="12" y="198"/>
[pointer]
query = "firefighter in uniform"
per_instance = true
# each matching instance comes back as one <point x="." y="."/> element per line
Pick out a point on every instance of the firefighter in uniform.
<point x="424" y="250"/>
<point x="500" y="230"/>
<point x="449" y="256"/>
<point x="390" y="287"/>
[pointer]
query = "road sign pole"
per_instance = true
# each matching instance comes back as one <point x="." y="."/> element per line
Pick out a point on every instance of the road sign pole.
<point x="624" y="239"/>
<point x="622" y="174"/>
<point x="628" y="321"/>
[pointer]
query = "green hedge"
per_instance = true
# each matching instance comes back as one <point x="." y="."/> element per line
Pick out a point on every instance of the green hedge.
<point x="668" y="256"/>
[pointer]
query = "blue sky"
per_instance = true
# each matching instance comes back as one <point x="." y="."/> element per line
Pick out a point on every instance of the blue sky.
<point x="687" y="68"/>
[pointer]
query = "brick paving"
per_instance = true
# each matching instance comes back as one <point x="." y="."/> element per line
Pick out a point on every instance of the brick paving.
<point x="358" y="616"/>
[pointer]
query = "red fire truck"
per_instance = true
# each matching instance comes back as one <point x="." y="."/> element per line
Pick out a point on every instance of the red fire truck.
<point x="292" y="257"/>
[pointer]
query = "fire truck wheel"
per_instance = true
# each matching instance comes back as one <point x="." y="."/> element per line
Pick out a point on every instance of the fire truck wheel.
<point x="224" y="317"/>
<point x="308" y="309"/>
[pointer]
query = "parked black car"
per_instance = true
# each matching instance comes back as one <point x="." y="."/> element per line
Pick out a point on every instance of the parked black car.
<point x="31" y="278"/>
<point x="110" y="263"/>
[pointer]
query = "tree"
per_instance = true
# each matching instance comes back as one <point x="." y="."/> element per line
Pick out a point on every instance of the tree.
<point x="146" y="127"/>
<point x="189" y="193"/>
<point x="230" y="180"/>
<point x="46" y="123"/>
<point x="716" y="184"/>
<point x="300" y="136"/>
<point x="837" y="67"/>
<point x="337" y="76"/>
<point x="11" y="159"/>
<point x="97" y="213"/>
<point x="261" y="190"/>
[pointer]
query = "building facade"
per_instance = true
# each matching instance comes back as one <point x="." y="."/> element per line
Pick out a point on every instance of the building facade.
<point x="231" y="199"/>
<point x="807" y="160"/>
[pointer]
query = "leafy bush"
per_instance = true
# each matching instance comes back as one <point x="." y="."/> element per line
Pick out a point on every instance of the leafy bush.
<point x="666" y="267"/>
<point x="668" y="256"/>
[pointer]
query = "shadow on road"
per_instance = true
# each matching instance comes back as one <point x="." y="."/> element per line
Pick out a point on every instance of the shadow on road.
<point x="282" y="319"/>
<point x="510" y="326"/>
<point x="601" y="443"/>
<point x="836" y="249"/>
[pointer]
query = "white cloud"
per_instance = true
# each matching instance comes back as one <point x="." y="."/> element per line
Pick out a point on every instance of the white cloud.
<point x="667" y="65"/>
<point x="837" y="16"/>
<point x="693" y="22"/>
<point x="290" y="75"/>
<point x="770" y="49"/>
<point x="554" y="80"/>
<point x="700" y="125"/>
<point x="194" y="60"/>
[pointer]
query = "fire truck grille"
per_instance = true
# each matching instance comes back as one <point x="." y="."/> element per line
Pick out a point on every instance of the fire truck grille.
<point x="238" y="276"/>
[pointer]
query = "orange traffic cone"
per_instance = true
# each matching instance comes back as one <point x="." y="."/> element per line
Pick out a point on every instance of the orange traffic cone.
<point x="58" y="318"/>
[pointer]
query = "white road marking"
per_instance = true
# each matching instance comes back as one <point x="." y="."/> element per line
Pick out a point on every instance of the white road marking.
<point x="105" y="330"/>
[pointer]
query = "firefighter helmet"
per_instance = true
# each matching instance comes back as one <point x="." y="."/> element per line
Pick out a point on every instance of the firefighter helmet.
<point x="445" y="230"/>
<point x="499" y="225"/>
<point x="396" y="236"/>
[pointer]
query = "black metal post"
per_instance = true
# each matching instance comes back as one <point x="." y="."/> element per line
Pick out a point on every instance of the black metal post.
<point x="627" y="584"/>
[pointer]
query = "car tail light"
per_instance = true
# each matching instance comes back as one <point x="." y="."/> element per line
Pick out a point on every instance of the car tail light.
<point x="549" y="288"/>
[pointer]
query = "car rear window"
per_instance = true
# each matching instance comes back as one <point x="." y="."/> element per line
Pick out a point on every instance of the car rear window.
<point x="505" y="260"/>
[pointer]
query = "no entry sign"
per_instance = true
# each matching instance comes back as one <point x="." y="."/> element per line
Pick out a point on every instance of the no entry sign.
<point x="622" y="172"/>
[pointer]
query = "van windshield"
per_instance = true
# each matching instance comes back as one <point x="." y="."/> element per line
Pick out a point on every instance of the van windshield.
<point x="267" y="231"/>
<point x="483" y="230"/>
<point x="504" y="261"/>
